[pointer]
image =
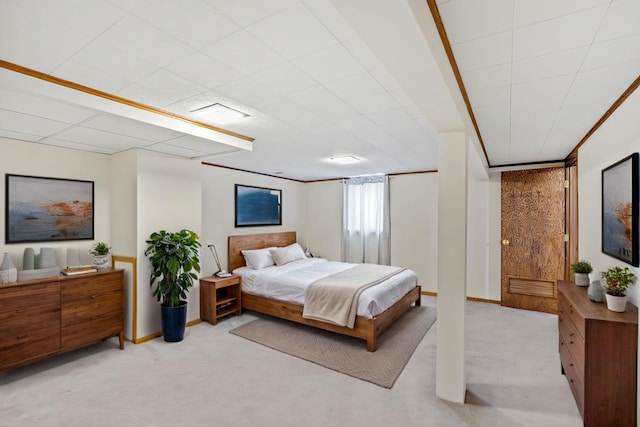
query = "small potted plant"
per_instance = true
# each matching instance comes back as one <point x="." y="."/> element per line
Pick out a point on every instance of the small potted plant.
<point x="581" y="270"/>
<point x="100" y="252"/>
<point x="174" y="257"/>
<point x="616" y="281"/>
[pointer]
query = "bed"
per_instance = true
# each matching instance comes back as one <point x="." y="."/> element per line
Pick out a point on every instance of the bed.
<point x="366" y="327"/>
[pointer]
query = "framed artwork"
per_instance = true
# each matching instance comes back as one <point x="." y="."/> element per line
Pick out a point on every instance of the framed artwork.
<point x="41" y="209"/>
<point x="256" y="206"/>
<point x="620" y="210"/>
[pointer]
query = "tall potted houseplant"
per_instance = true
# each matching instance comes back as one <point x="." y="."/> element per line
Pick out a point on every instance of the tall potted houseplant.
<point x="581" y="270"/>
<point x="175" y="259"/>
<point x="616" y="281"/>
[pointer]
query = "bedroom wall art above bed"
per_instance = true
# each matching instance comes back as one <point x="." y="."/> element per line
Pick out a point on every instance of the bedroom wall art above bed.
<point x="257" y="206"/>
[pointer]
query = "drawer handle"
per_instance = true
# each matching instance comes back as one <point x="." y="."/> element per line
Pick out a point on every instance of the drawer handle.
<point x="94" y="296"/>
<point x="570" y="342"/>
<point x="21" y="336"/>
<point x="571" y="334"/>
<point x="21" y="310"/>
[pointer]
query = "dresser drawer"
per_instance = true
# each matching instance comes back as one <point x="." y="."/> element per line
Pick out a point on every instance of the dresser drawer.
<point x="94" y="307"/>
<point x="567" y="310"/>
<point x="17" y="299"/>
<point x="575" y="378"/>
<point x="573" y="341"/>
<point x="88" y="287"/>
<point x="28" y="319"/>
<point x="91" y="331"/>
<point x="20" y="348"/>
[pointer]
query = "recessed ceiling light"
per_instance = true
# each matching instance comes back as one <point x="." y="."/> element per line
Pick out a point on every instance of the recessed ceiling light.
<point x="218" y="113"/>
<point x="344" y="160"/>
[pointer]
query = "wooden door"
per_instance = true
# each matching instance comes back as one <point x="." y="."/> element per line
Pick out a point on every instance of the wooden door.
<point x="533" y="249"/>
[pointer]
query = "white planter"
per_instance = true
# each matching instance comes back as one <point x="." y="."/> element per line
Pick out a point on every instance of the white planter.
<point x="101" y="261"/>
<point x="581" y="279"/>
<point x="618" y="304"/>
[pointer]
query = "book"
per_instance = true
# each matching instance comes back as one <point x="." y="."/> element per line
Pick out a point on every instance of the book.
<point x="72" y="271"/>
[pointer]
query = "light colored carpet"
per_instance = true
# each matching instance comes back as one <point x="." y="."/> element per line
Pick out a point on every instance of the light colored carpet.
<point x="344" y="354"/>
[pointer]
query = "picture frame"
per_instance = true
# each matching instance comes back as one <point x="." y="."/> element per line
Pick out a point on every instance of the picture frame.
<point x="40" y="209"/>
<point x="257" y="206"/>
<point x="620" y="210"/>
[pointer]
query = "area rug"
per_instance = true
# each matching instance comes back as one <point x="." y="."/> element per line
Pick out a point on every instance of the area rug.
<point x="344" y="354"/>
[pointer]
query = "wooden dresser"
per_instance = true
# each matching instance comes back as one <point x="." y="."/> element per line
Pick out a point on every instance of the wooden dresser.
<point x="39" y="318"/>
<point x="598" y="355"/>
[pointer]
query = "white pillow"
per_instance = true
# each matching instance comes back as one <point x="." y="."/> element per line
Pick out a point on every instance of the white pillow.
<point x="258" y="258"/>
<point x="281" y="256"/>
<point x="285" y="255"/>
<point x="296" y="251"/>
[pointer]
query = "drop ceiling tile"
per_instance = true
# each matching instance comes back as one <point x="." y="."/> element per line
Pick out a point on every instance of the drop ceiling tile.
<point x="79" y="146"/>
<point x="284" y="78"/>
<point x="361" y="52"/>
<point x="90" y="77"/>
<point x="243" y="52"/>
<point x="19" y="136"/>
<point x="488" y="97"/>
<point x="98" y="138"/>
<point x="168" y="87"/>
<point x="133" y="128"/>
<point x="43" y="44"/>
<point x="320" y="101"/>
<point x="613" y="52"/>
<point x="487" y="78"/>
<point x="90" y="18"/>
<point x="354" y="87"/>
<point x="527" y="12"/>
<point x="470" y="20"/>
<point x="33" y="105"/>
<point x="621" y="20"/>
<point x="99" y="55"/>
<point x="144" y="41"/>
<point x="276" y="32"/>
<point x="374" y="103"/>
<point x="546" y="66"/>
<point x="127" y="5"/>
<point x="207" y="71"/>
<point x="559" y="34"/>
<point x="385" y="78"/>
<point x="248" y="12"/>
<point x="483" y="52"/>
<point x="29" y="124"/>
<point x="329" y="64"/>
<point x="191" y="21"/>
<point x="540" y="92"/>
<point x="327" y="14"/>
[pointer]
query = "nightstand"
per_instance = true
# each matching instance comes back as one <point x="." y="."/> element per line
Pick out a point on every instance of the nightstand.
<point x="219" y="297"/>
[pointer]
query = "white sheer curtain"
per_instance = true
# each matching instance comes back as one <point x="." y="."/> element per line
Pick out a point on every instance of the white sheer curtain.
<point x="366" y="224"/>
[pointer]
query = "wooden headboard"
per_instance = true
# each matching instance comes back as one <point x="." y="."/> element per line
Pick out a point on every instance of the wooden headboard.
<point x="255" y="241"/>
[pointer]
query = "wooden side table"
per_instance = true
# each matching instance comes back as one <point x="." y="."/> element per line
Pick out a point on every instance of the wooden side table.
<point x="219" y="297"/>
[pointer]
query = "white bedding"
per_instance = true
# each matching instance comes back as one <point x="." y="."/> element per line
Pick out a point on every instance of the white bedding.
<point x="288" y="283"/>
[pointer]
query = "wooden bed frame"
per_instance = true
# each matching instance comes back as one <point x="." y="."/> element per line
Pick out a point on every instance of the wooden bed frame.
<point x="364" y="328"/>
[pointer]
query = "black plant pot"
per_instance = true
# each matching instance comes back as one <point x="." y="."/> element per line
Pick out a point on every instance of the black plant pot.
<point x="174" y="320"/>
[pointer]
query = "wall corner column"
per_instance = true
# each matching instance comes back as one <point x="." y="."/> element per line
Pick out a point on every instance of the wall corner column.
<point x="452" y="266"/>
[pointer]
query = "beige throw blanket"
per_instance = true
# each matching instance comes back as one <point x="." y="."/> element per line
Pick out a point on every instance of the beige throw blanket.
<point x="334" y="299"/>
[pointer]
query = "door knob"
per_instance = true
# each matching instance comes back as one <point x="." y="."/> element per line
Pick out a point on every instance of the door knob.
<point x="505" y="242"/>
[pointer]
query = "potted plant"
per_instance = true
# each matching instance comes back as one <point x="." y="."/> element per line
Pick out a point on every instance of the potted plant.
<point x="581" y="270"/>
<point x="174" y="257"/>
<point x="616" y="282"/>
<point x="100" y="252"/>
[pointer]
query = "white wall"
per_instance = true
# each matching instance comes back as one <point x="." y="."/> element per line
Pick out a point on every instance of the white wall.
<point x="414" y="226"/>
<point x="23" y="158"/>
<point x="324" y="219"/>
<point x="617" y="138"/>
<point x="413" y="223"/>
<point x="478" y="237"/>
<point x="218" y="209"/>
<point x="168" y="198"/>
